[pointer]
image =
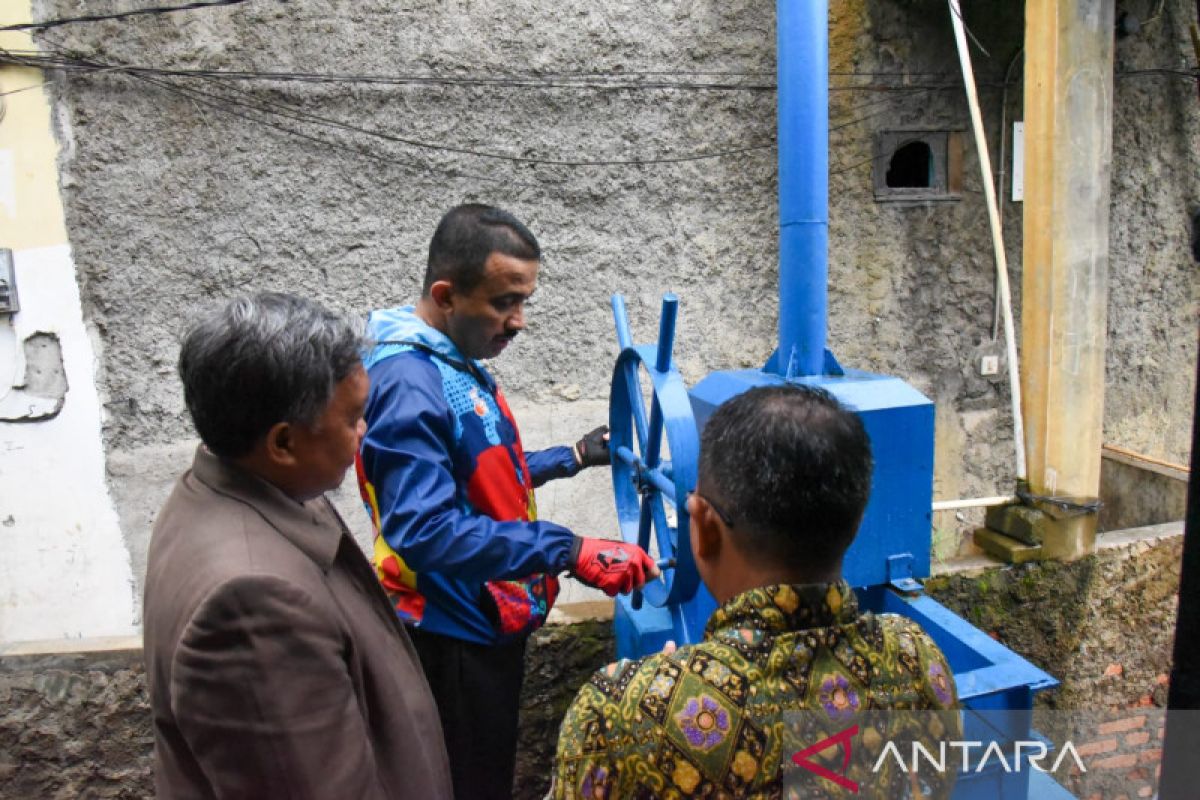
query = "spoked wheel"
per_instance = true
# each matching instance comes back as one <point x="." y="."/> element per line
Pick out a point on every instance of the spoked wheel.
<point x="654" y="457"/>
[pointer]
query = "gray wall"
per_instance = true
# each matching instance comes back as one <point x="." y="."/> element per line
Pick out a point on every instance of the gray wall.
<point x="173" y="202"/>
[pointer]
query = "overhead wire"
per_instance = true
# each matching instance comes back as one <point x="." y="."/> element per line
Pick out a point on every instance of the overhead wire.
<point x="958" y="13"/>
<point x="291" y="112"/>
<point x="599" y="80"/>
<point x="55" y="23"/>
<point x="296" y="114"/>
<point x="25" y="88"/>
<point x="260" y="106"/>
<point x="253" y="104"/>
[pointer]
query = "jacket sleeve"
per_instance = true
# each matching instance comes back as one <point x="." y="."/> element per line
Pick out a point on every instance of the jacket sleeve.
<point x="554" y="462"/>
<point x="406" y="457"/>
<point x="261" y="693"/>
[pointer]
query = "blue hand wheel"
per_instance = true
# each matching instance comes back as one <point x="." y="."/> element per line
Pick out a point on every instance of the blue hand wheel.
<point x="655" y="458"/>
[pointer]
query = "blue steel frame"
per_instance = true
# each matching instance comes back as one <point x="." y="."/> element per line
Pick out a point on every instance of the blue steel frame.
<point x="643" y="482"/>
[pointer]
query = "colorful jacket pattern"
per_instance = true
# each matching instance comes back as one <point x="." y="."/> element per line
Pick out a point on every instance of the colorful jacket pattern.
<point x="450" y="490"/>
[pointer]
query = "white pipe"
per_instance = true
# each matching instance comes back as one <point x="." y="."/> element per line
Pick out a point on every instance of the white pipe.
<point x="975" y="502"/>
<point x="989" y="190"/>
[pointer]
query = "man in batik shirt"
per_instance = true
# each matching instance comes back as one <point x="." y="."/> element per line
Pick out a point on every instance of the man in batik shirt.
<point x="784" y="478"/>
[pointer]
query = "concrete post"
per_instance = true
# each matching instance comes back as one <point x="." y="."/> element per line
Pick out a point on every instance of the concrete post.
<point x="1068" y="160"/>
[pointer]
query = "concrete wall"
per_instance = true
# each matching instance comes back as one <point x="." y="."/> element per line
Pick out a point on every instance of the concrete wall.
<point x="75" y="724"/>
<point x="174" y="201"/>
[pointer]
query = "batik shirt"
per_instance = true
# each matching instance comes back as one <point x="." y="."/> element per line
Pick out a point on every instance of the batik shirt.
<point x="710" y="720"/>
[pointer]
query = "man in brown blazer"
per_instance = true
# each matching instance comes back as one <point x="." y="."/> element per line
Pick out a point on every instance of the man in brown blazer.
<point x="276" y="666"/>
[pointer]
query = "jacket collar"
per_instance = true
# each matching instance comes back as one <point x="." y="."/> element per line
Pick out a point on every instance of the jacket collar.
<point x="313" y="526"/>
<point x="771" y="610"/>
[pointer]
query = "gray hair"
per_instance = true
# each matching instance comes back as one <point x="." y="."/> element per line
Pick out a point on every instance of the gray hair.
<point x="259" y="360"/>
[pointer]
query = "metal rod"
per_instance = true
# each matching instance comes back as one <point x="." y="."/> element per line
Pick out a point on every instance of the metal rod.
<point x="650" y="475"/>
<point x="621" y="318"/>
<point x="666" y="331"/>
<point x="974" y="502"/>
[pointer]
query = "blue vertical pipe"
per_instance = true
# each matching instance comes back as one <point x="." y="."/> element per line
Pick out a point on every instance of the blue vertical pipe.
<point x="802" y="55"/>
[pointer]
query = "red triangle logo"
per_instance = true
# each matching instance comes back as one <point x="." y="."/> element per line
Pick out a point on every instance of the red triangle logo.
<point x="842" y="739"/>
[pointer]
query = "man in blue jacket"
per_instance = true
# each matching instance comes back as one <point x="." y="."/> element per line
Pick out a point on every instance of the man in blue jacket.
<point x="449" y="487"/>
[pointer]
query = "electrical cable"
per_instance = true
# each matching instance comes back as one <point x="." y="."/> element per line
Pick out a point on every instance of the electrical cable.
<point x="328" y="143"/>
<point x="298" y="115"/>
<point x="54" y="23"/>
<point x="264" y="106"/>
<point x="958" y="13"/>
<point x="26" y="88"/>
<point x="1076" y="504"/>
<point x="593" y="81"/>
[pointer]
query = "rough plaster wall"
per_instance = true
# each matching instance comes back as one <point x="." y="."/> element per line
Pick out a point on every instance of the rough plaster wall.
<point x="1154" y="295"/>
<point x="172" y="203"/>
<point x="912" y="284"/>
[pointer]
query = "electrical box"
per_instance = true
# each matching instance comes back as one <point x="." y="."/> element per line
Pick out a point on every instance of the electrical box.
<point x="8" y="283"/>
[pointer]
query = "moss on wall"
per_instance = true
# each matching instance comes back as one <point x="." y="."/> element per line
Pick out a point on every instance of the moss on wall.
<point x="559" y="660"/>
<point x="1103" y="625"/>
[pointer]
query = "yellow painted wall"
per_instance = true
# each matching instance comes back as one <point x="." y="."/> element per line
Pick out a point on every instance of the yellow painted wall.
<point x="31" y="211"/>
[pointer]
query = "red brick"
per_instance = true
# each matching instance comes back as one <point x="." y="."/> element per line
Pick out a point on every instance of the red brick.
<point x="1145" y="791"/>
<point x="1137" y="774"/>
<point x="1115" y="762"/>
<point x="1118" y="725"/>
<point x="1095" y="796"/>
<point x="1141" y="737"/>
<point x="1113" y="671"/>
<point x="1096" y="748"/>
<point x="1154" y="755"/>
<point x="1163" y="680"/>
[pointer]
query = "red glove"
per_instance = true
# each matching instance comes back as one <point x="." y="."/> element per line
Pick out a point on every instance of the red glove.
<point x="611" y="566"/>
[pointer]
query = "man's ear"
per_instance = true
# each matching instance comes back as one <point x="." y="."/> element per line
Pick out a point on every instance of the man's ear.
<point x="442" y="293"/>
<point x="279" y="444"/>
<point x="707" y="526"/>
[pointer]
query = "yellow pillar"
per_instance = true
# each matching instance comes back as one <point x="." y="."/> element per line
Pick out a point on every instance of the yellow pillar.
<point x="1068" y="159"/>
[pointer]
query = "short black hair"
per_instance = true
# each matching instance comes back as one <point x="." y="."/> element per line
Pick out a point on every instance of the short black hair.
<point x="465" y="238"/>
<point x="259" y="360"/>
<point x="790" y="467"/>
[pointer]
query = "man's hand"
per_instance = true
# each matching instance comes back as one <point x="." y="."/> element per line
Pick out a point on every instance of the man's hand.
<point x="592" y="449"/>
<point x="611" y="566"/>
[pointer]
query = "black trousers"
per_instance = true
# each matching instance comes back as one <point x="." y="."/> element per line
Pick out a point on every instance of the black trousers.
<point x="478" y="692"/>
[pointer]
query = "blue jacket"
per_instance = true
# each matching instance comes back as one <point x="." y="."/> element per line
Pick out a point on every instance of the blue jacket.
<point x="450" y="490"/>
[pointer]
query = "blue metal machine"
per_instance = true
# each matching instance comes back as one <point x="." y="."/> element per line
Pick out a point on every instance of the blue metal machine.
<point x="655" y="452"/>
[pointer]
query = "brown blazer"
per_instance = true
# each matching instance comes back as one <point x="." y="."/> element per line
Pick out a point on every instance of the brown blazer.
<point x="276" y="666"/>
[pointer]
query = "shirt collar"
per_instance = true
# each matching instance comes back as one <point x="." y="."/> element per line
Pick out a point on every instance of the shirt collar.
<point x="313" y="526"/>
<point x="786" y="607"/>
